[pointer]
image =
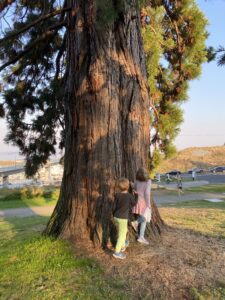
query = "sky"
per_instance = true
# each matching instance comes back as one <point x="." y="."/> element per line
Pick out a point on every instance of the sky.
<point x="204" y="112"/>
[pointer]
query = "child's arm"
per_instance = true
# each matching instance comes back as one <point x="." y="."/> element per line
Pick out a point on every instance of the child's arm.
<point x="114" y="204"/>
<point x="148" y="194"/>
<point x="134" y="198"/>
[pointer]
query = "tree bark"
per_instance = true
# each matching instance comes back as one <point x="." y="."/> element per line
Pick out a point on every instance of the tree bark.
<point x="107" y="121"/>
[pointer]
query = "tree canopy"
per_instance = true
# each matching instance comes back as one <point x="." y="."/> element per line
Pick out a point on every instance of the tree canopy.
<point x="174" y="39"/>
<point x="33" y="69"/>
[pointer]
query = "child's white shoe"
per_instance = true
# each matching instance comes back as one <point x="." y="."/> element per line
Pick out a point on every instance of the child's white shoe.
<point x="143" y="241"/>
<point x="119" y="255"/>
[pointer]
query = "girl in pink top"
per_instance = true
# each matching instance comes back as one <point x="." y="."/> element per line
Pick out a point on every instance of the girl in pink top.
<point x="143" y="208"/>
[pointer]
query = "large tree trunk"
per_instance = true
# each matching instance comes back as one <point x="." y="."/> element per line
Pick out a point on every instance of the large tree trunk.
<point x="107" y="121"/>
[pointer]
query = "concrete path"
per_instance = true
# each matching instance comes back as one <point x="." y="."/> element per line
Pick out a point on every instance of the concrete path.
<point x="27" y="211"/>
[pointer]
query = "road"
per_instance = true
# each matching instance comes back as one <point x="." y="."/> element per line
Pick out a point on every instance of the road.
<point x="211" y="178"/>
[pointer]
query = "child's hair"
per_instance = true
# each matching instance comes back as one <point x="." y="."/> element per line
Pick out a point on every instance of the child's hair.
<point x="123" y="184"/>
<point x="142" y="175"/>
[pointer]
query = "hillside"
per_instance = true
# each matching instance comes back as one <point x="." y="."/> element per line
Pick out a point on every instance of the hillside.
<point x="7" y="163"/>
<point x="201" y="157"/>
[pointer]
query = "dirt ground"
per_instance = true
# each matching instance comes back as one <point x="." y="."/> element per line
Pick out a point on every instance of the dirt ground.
<point x="171" y="267"/>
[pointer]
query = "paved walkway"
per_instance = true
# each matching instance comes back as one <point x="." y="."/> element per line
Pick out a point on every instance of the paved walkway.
<point x="27" y="211"/>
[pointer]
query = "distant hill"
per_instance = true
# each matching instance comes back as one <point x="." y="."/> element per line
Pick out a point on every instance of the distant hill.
<point x="8" y="163"/>
<point x="200" y="157"/>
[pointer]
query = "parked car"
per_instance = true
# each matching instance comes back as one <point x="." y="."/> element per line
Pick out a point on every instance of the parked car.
<point x="196" y="170"/>
<point x="218" y="169"/>
<point x="174" y="172"/>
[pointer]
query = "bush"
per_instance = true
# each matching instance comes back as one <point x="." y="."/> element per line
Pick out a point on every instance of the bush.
<point x="28" y="193"/>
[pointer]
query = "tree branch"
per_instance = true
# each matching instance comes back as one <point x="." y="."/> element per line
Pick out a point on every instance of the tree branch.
<point x="43" y="18"/>
<point x="154" y="110"/>
<point x="60" y="53"/>
<point x="44" y="36"/>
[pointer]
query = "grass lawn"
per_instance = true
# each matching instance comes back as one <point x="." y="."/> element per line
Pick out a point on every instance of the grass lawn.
<point x="37" y="267"/>
<point x="198" y="204"/>
<point x="200" y="216"/>
<point x="212" y="188"/>
<point x="27" y="197"/>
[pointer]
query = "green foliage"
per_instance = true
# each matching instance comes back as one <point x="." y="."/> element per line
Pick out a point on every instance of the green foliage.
<point x="156" y="159"/>
<point x="107" y="12"/>
<point x="26" y="197"/>
<point x="211" y="54"/>
<point x="32" y="85"/>
<point x="221" y="58"/>
<point x="174" y="42"/>
<point x="21" y="194"/>
<point x="207" y="294"/>
<point x="142" y="3"/>
<point x="2" y="111"/>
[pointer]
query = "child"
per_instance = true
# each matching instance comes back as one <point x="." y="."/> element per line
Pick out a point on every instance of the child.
<point x="179" y="185"/>
<point x="122" y="204"/>
<point x="143" y="207"/>
<point x="167" y="178"/>
<point x="193" y="175"/>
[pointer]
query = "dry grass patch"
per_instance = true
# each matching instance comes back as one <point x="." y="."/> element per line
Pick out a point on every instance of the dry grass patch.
<point x="186" y="262"/>
<point x="210" y="222"/>
<point x="178" y="265"/>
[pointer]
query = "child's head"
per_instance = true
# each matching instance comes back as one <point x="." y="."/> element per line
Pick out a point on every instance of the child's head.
<point x="123" y="184"/>
<point x="142" y="175"/>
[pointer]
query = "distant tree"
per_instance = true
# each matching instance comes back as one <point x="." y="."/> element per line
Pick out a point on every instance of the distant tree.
<point x="76" y="70"/>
